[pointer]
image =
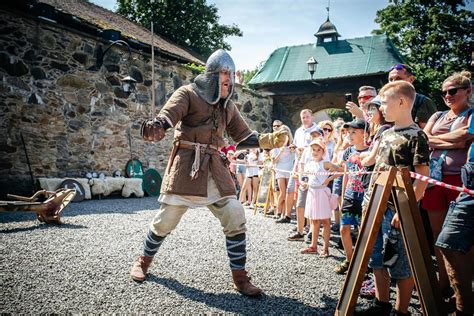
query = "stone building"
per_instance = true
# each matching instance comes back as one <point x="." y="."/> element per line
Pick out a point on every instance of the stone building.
<point x="342" y="67"/>
<point x="73" y="112"/>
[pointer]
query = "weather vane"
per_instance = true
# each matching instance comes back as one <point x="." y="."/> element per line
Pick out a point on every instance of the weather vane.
<point x="327" y="8"/>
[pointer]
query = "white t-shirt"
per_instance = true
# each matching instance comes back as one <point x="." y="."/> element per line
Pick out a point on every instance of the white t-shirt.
<point x="302" y="137"/>
<point x="252" y="159"/>
<point x="315" y="180"/>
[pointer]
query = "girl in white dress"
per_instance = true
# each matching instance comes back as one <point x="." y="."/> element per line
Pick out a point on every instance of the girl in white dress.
<point x="318" y="209"/>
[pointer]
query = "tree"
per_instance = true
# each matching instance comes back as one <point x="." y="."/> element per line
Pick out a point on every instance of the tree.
<point x="248" y="75"/>
<point x="190" y="23"/>
<point x="335" y="113"/>
<point x="433" y="36"/>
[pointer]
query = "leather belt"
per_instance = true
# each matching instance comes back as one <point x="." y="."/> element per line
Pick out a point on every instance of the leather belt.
<point x="198" y="150"/>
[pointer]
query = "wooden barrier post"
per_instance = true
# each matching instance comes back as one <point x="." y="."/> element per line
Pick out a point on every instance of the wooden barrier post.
<point x="400" y="188"/>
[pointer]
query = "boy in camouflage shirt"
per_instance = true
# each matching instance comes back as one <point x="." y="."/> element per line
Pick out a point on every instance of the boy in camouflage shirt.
<point x="403" y="145"/>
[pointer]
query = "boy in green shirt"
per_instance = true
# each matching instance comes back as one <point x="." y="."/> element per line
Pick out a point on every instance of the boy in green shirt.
<point x="403" y="145"/>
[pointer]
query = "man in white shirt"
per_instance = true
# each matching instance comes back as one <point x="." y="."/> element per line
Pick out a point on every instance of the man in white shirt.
<point x="302" y="137"/>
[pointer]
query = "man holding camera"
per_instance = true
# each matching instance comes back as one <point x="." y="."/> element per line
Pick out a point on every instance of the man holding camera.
<point x="366" y="93"/>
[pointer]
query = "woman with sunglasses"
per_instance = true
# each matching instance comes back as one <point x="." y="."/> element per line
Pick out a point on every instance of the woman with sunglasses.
<point x="448" y="139"/>
<point x="328" y="129"/>
<point x="377" y="125"/>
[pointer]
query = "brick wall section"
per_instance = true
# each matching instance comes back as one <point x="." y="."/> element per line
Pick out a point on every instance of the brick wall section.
<point x="75" y="120"/>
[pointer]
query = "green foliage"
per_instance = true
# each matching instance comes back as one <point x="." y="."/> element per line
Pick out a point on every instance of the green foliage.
<point x="190" y="23"/>
<point x="434" y="37"/>
<point x="247" y="75"/>
<point x="196" y="68"/>
<point x="335" y="113"/>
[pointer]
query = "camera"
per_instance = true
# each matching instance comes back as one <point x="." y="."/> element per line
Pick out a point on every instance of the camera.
<point x="348" y="97"/>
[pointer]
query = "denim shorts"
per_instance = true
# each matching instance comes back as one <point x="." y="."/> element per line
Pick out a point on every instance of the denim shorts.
<point x="337" y="186"/>
<point x="458" y="228"/>
<point x="290" y="188"/>
<point x="301" y="201"/>
<point x="240" y="169"/>
<point x="401" y="268"/>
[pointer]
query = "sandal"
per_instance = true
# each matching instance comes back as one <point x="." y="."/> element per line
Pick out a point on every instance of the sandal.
<point x="309" y="250"/>
<point x="324" y="254"/>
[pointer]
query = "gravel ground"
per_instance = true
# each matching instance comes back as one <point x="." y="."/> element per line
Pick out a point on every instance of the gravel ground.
<point x="83" y="265"/>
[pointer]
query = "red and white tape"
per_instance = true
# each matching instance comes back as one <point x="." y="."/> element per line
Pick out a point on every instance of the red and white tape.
<point x="439" y="183"/>
<point x="412" y="174"/>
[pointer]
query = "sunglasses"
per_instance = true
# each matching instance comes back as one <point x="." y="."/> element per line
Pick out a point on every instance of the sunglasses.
<point x="327" y="130"/>
<point x="451" y="91"/>
<point x="400" y="67"/>
<point x="365" y="97"/>
<point x="372" y="109"/>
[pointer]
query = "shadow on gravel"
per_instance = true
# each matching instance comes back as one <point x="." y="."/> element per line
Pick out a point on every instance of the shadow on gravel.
<point x="237" y="303"/>
<point x="41" y="227"/>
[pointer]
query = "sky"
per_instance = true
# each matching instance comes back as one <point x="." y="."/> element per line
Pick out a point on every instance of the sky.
<point x="270" y="24"/>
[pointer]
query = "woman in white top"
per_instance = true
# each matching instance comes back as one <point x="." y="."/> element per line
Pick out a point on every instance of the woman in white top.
<point x="252" y="161"/>
<point x="283" y="159"/>
<point x="328" y="129"/>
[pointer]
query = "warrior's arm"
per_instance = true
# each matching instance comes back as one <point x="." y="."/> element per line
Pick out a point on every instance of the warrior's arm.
<point x="174" y="110"/>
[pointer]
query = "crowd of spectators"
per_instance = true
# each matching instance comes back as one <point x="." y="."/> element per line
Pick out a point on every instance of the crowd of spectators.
<point x="395" y="126"/>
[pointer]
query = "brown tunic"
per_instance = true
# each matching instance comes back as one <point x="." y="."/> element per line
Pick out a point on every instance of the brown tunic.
<point x="200" y="122"/>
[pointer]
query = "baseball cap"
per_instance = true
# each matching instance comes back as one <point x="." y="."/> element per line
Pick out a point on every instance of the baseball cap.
<point x="318" y="142"/>
<point x="358" y="124"/>
<point x="375" y="101"/>
<point x="315" y="128"/>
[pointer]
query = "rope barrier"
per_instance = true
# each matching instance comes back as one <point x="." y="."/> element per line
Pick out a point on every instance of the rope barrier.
<point x="412" y="174"/>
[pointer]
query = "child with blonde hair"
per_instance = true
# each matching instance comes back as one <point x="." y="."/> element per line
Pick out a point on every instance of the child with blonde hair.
<point x="318" y="206"/>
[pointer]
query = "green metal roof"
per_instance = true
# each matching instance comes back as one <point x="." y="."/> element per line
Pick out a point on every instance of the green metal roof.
<point x="343" y="58"/>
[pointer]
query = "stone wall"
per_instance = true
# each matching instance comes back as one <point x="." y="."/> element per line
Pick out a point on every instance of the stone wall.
<point x="75" y="120"/>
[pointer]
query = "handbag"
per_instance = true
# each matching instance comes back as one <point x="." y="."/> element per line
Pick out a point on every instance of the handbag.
<point x="333" y="200"/>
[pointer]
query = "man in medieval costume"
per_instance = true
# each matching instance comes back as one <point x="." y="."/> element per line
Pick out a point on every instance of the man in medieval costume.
<point x="197" y="174"/>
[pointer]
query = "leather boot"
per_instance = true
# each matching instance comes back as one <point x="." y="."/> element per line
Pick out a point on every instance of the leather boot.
<point x="140" y="268"/>
<point x="243" y="285"/>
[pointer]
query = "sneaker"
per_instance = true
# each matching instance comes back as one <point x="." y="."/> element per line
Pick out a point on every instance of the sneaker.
<point x="270" y="213"/>
<point x="367" y="289"/>
<point x="377" y="308"/>
<point x="342" y="267"/>
<point x="309" y="236"/>
<point x="335" y="228"/>
<point x="283" y="220"/>
<point x="296" y="237"/>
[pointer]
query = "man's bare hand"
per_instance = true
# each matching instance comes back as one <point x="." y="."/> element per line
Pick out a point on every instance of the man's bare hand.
<point x="354" y="109"/>
<point x="396" y="221"/>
